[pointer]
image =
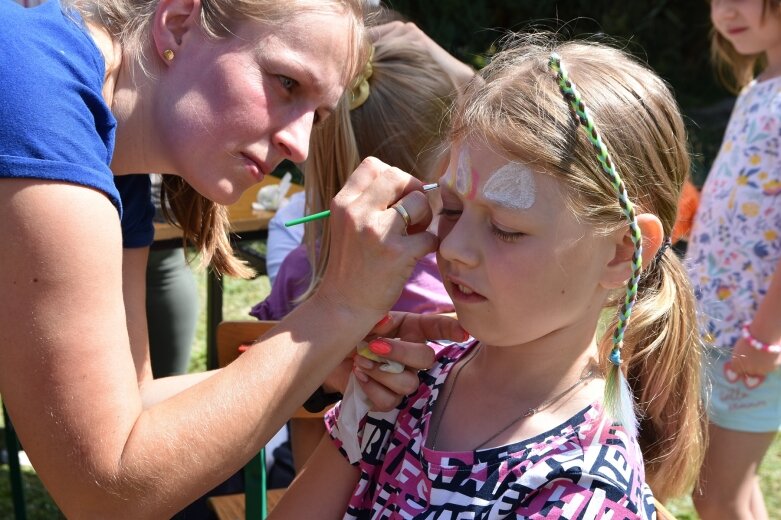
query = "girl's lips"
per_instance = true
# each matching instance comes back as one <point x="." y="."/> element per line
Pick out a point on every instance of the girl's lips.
<point x="464" y="293"/>
<point x="738" y="30"/>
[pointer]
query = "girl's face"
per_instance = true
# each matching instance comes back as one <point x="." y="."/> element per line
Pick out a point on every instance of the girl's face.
<point x="516" y="262"/>
<point x="231" y="110"/>
<point x="748" y="25"/>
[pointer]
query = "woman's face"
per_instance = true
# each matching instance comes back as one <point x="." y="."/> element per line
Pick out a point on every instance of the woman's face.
<point x="230" y="110"/>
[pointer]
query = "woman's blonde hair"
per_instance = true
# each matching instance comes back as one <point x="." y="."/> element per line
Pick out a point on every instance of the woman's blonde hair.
<point x="205" y="223"/>
<point x="402" y="123"/>
<point x="733" y="69"/>
<point x="520" y="113"/>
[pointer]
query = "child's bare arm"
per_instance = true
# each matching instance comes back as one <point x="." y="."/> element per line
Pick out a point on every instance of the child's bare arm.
<point x="323" y="487"/>
<point x="766" y="327"/>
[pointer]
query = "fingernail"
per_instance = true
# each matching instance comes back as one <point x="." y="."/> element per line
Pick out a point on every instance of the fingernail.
<point x="362" y="362"/>
<point x="383" y="321"/>
<point x="363" y="378"/>
<point x="466" y="336"/>
<point x="380" y="347"/>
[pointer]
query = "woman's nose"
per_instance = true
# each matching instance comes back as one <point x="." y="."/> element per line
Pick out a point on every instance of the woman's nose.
<point x="293" y="138"/>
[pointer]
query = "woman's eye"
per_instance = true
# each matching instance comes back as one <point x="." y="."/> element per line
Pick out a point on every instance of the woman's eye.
<point x="506" y="236"/>
<point x="287" y="83"/>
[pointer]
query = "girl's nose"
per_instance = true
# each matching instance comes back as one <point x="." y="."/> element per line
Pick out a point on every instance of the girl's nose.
<point x="293" y="139"/>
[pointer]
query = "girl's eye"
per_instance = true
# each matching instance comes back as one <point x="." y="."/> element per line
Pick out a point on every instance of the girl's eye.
<point x="506" y="236"/>
<point x="287" y="83"/>
<point x="450" y="213"/>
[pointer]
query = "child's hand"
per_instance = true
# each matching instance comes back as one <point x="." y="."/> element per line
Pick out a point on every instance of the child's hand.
<point x="748" y="361"/>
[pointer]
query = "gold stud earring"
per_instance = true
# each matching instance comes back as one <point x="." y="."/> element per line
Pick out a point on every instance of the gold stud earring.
<point x="168" y="54"/>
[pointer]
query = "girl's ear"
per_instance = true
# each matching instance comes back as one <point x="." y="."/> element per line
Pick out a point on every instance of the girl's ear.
<point x="172" y="21"/>
<point x="619" y="268"/>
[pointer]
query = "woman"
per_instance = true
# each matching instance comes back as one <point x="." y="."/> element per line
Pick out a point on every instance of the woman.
<point x="218" y="92"/>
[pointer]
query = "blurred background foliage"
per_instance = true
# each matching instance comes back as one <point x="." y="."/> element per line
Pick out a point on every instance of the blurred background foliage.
<point x="670" y="36"/>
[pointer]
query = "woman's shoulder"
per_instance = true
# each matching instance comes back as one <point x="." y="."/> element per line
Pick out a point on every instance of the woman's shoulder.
<point x="54" y="123"/>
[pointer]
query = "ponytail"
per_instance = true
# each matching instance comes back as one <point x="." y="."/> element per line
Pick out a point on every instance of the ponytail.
<point x="663" y="355"/>
<point x="333" y="156"/>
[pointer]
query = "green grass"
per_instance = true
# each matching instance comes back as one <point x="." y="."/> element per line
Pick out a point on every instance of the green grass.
<point x="239" y="296"/>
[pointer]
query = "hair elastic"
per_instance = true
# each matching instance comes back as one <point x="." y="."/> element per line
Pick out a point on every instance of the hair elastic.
<point x="360" y="91"/>
<point x="619" y="401"/>
<point x="666" y="244"/>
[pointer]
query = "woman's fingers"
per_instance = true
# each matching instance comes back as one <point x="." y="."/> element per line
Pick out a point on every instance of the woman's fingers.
<point x="378" y="184"/>
<point x="411" y="213"/>
<point x="420" y="327"/>
<point x="384" y="389"/>
<point x="371" y="254"/>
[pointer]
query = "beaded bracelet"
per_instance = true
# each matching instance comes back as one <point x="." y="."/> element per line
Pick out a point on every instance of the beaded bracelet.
<point x="773" y="348"/>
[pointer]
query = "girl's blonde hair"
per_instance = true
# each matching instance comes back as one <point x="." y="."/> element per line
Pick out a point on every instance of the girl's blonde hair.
<point x="402" y="123"/>
<point x="733" y="69"/>
<point x="205" y="223"/>
<point x="520" y="113"/>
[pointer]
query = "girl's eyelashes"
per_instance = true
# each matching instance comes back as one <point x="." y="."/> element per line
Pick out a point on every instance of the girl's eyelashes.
<point x="506" y="236"/>
<point x="445" y="212"/>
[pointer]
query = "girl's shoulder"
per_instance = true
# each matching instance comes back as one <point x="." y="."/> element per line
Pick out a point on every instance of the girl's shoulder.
<point x="759" y="95"/>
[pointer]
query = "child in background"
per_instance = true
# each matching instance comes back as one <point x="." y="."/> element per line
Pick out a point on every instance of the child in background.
<point x="397" y="113"/>
<point x="734" y="257"/>
<point x="535" y="416"/>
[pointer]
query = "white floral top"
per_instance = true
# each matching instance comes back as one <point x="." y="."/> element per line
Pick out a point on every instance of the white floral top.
<point x="736" y="239"/>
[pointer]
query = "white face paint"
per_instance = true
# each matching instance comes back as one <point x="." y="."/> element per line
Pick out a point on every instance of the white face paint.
<point x="512" y="186"/>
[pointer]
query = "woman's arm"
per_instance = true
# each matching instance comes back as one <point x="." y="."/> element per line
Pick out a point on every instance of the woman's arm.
<point x="322" y="489"/>
<point x="70" y="382"/>
<point x="67" y="370"/>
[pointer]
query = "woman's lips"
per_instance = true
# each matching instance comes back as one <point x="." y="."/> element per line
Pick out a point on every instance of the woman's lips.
<point x="253" y="167"/>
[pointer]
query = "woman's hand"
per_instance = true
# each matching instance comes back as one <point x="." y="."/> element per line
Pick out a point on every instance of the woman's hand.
<point x="402" y="339"/>
<point x="372" y="255"/>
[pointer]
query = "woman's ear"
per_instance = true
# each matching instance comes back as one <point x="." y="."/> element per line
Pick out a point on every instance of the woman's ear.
<point x="619" y="268"/>
<point x="172" y="21"/>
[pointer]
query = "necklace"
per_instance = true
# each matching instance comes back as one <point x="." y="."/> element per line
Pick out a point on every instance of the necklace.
<point x="528" y="413"/>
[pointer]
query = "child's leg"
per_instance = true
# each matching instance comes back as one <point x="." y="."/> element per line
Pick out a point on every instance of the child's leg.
<point x="758" y="508"/>
<point x="728" y="487"/>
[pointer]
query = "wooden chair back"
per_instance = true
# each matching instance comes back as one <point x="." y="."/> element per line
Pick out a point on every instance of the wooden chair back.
<point x="306" y="429"/>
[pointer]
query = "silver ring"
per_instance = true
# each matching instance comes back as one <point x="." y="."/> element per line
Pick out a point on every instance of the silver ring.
<point x="403" y="212"/>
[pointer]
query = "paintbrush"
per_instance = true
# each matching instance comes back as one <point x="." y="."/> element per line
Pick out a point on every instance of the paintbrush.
<point x="326" y="213"/>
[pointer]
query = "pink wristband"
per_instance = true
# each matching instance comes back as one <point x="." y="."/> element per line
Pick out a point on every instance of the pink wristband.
<point x="773" y="348"/>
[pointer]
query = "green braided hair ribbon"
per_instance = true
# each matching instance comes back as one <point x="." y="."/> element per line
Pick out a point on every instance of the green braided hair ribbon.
<point x="618" y="396"/>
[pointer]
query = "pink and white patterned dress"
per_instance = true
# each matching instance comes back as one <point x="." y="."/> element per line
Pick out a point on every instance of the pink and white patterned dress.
<point x="584" y="468"/>
<point x="734" y="250"/>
